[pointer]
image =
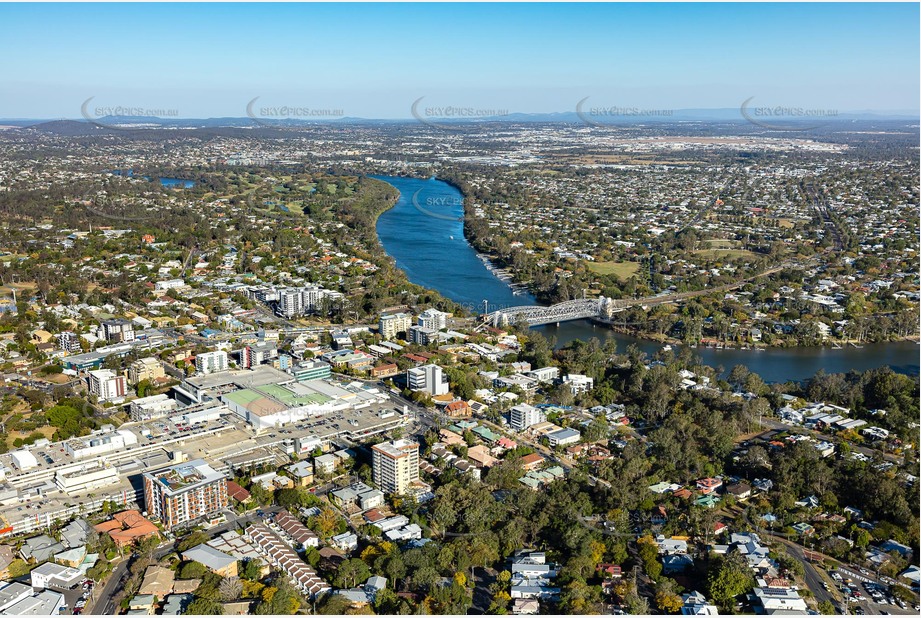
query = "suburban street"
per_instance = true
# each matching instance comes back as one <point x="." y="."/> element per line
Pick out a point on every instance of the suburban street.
<point x="103" y="602"/>
<point x="814" y="579"/>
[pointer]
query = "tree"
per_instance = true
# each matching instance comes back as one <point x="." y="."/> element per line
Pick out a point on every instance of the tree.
<point x="327" y="523"/>
<point x="635" y="604"/>
<point x="351" y="572"/>
<point x="577" y="597"/>
<point x="252" y="570"/>
<point x="598" y="429"/>
<point x="863" y="538"/>
<point x="499" y="604"/>
<point x="230" y="588"/>
<point x="204" y="607"/>
<point x="728" y="577"/>
<point x="332" y="605"/>
<point x="191" y="570"/>
<point x="668" y="601"/>
<point x="192" y="540"/>
<point x="289" y="498"/>
<point x="826" y="608"/>
<point x="738" y="375"/>
<point x="282" y="599"/>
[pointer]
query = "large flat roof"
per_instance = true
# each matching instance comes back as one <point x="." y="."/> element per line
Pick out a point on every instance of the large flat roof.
<point x="244" y="378"/>
<point x="186" y="475"/>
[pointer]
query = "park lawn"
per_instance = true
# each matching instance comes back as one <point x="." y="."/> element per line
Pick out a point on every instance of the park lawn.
<point x="47" y="431"/>
<point x="19" y="286"/>
<point x="722" y="243"/>
<point x="732" y="254"/>
<point x="622" y="270"/>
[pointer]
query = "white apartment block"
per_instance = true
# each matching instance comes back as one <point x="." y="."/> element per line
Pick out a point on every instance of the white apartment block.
<point x="293" y="302"/>
<point x="523" y="416"/>
<point x="433" y="318"/>
<point x="428" y="379"/>
<point x="211" y="362"/>
<point x="578" y="383"/>
<point x="154" y="406"/>
<point x="169" y="284"/>
<point x="107" y="385"/>
<point x="544" y="374"/>
<point x="395" y="465"/>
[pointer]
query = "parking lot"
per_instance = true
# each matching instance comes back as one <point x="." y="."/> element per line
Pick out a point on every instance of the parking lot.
<point x="863" y="595"/>
<point x="75" y="598"/>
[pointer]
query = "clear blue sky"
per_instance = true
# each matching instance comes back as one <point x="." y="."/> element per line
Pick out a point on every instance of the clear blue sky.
<point x="208" y="60"/>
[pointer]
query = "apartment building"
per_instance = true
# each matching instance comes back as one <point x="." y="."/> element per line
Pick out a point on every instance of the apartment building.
<point x="211" y="362"/>
<point x="294" y="302"/>
<point x="291" y="303"/>
<point x="523" y="416"/>
<point x="428" y="379"/>
<point x="395" y="465"/>
<point x="394" y="323"/>
<point x="154" y="406"/>
<point x="311" y="370"/>
<point x="107" y="385"/>
<point x="184" y="493"/>
<point x="145" y="369"/>
<point x="259" y="354"/>
<point x="432" y="318"/>
<point x="118" y="331"/>
<point x="422" y="335"/>
<point x="68" y="341"/>
<point x="578" y="383"/>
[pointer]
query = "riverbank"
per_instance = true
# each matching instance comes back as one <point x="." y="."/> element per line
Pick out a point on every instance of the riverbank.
<point x="434" y="254"/>
<point x="713" y="343"/>
<point x="434" y="297"/>
<point x="648" y="324"/>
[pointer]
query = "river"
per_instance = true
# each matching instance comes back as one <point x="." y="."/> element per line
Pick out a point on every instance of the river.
<point x="424" y="233"/>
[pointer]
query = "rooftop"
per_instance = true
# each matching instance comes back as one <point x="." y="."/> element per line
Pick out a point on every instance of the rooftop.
<point x="185" y="475"/>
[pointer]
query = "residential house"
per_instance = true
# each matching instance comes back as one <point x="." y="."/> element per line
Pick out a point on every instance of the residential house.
<point x="740" y="490"/>
<point x="217" y="561"/>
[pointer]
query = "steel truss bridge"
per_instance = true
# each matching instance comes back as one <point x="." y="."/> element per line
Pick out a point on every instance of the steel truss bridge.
<point x="560" y="312"/>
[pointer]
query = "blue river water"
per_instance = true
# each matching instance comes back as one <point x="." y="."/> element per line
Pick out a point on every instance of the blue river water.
<point x="424" y="233"/>
<point x="166" y="182"/>
<point x="177" y="182"/>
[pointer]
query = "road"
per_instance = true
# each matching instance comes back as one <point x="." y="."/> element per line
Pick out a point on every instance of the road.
<point x="773" y="425"/>
<point x="103" y="602"/>
<point x="482" y="597"/>
<point x="814" y="579"/>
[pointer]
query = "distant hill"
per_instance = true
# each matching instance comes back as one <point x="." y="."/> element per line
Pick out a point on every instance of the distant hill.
<point x="136" y="124"/>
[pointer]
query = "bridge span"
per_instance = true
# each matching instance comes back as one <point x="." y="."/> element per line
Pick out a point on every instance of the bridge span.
<point x="536" y="315"/>
<point x="605" y="308"/>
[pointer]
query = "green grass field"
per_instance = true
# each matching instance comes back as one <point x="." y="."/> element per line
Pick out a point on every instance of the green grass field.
<point x="715" y="254"/>
<point x="622" y="270"/>
<point x="721" y="243"/>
